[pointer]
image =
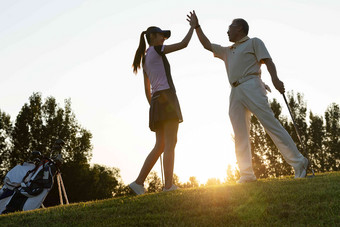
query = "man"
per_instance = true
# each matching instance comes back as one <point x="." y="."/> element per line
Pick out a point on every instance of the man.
<point x="243" y="62"/>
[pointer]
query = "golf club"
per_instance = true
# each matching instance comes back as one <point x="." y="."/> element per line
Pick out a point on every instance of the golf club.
<point x="160" y="160"/>
<point x="297" y="132"/>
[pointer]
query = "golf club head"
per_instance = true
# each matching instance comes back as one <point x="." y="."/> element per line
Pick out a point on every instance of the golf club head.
<point x="57" y="148"/>
<point x="35" y="157"/>
<point x="58" y="145"/>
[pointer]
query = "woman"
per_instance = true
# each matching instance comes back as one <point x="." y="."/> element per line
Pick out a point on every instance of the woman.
<point x="165" y="113"/>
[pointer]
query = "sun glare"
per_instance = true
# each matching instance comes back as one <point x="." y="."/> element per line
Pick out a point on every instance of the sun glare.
<point x="208" y="158"/>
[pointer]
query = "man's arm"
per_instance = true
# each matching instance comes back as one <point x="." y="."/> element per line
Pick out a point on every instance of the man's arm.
<point x="203" y="39"/>
<point x="201" y="36"/>
<point x="278" y="84"/>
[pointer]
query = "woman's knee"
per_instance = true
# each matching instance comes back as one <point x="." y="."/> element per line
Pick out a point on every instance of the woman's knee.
<point x="170" y="134"/>
<point x="159" y="146"/>
<point x="170" y="141"/>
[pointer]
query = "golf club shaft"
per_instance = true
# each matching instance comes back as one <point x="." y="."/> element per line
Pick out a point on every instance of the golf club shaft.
<point x="297" y="132"/>
<point x="295" y="126"/>
<point x="160" y="160"/>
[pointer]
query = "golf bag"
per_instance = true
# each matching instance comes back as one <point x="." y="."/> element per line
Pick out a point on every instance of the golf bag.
<point x="33" y="188"/>
<point x="12" y="182"/>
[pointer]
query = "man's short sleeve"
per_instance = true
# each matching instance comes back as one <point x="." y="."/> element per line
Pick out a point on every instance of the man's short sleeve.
<point x="260" y="49"/>
<point x="219" y="51"/>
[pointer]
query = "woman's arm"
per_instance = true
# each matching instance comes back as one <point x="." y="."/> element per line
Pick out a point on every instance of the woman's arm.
<point x="178" y="46"/>
<point x="147" y="87"/>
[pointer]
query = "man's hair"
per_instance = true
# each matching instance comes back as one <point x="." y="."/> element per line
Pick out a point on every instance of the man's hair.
<point x="243" y="23"/>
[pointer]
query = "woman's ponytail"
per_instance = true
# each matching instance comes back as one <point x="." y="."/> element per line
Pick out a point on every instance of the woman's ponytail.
<point x="140" y="53"/>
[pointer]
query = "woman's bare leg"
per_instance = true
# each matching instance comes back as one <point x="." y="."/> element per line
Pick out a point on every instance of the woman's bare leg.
<point x="170" y="140"/>
<point x="152" y="157"/>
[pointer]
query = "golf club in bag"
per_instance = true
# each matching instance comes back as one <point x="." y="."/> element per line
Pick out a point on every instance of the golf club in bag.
<point x="298" y="133"/>
<point x="26" y="186"/>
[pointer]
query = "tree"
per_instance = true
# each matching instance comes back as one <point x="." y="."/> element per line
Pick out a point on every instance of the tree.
<point x="213" y="181"/>
<point x="321" y="139"/>
<point x="299" y="110"/>
<point x="21" y="137"/>
<point x="267" y="160"/>
<point x="192" y="183"/>
<point x="332" y="134"/>
<point x="315" y="143"/>
<point x="175" y="180"/>
<point x="5" y="143"/>
<point x="154" y="182"/>
<point x="232" y="175"/>
<point x="83" y="183"/>
<point x="258" y="147"/>
<point x="279" y="166"/>
<point x="39" y="124"/>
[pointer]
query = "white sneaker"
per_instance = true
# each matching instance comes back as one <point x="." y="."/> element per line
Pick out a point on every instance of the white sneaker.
<point x="172" y="188"/>
<point x="246" y="179"/>
<point x="301" y="172"/>
<point x="137" y="188"/>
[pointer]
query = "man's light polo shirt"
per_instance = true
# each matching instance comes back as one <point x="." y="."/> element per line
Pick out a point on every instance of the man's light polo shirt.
<point x="243" y="58"/>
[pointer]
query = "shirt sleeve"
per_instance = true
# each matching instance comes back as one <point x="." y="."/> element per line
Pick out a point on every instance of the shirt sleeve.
<point x="260" y="50"/>
<point x="219" y="51"/>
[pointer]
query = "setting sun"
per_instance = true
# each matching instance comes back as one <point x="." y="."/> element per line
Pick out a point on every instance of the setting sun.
<point x="204" y="155"/>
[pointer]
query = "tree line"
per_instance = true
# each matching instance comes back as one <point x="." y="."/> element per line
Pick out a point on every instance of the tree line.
<point x="36" y="128"/>
<point x="41" y="122"/>
<point x="319" y="134"/>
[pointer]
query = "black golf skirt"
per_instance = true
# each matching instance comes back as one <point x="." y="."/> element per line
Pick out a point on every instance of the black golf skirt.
<point x="164" y="107"/>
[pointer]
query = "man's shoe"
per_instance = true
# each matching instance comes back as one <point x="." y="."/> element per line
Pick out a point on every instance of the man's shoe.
<point x="172" y="188"/>
<point x="301" y="172"/>
<point x="137" y="188"/>
<point x="246" y="179"/>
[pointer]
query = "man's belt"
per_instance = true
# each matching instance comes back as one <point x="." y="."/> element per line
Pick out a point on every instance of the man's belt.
<point x="243" y="79"/>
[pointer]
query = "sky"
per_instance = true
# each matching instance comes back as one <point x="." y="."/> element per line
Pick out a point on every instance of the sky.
<point x="83" y="50"/>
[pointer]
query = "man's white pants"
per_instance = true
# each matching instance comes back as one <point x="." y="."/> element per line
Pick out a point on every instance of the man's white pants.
<point x="250" y="97"/>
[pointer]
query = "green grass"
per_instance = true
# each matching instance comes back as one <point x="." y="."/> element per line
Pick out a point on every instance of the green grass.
<point x="275" y="202"/>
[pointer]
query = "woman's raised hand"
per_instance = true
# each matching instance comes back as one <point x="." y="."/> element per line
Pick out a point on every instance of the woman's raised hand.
<point x="192" y="19"/>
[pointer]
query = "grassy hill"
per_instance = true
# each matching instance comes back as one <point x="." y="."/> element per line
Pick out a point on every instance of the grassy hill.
<point x="273" y="202"/>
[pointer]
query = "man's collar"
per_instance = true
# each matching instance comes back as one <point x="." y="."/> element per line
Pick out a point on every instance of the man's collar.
<point x="243" y="39"/>
<point x="240" y="41"/>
